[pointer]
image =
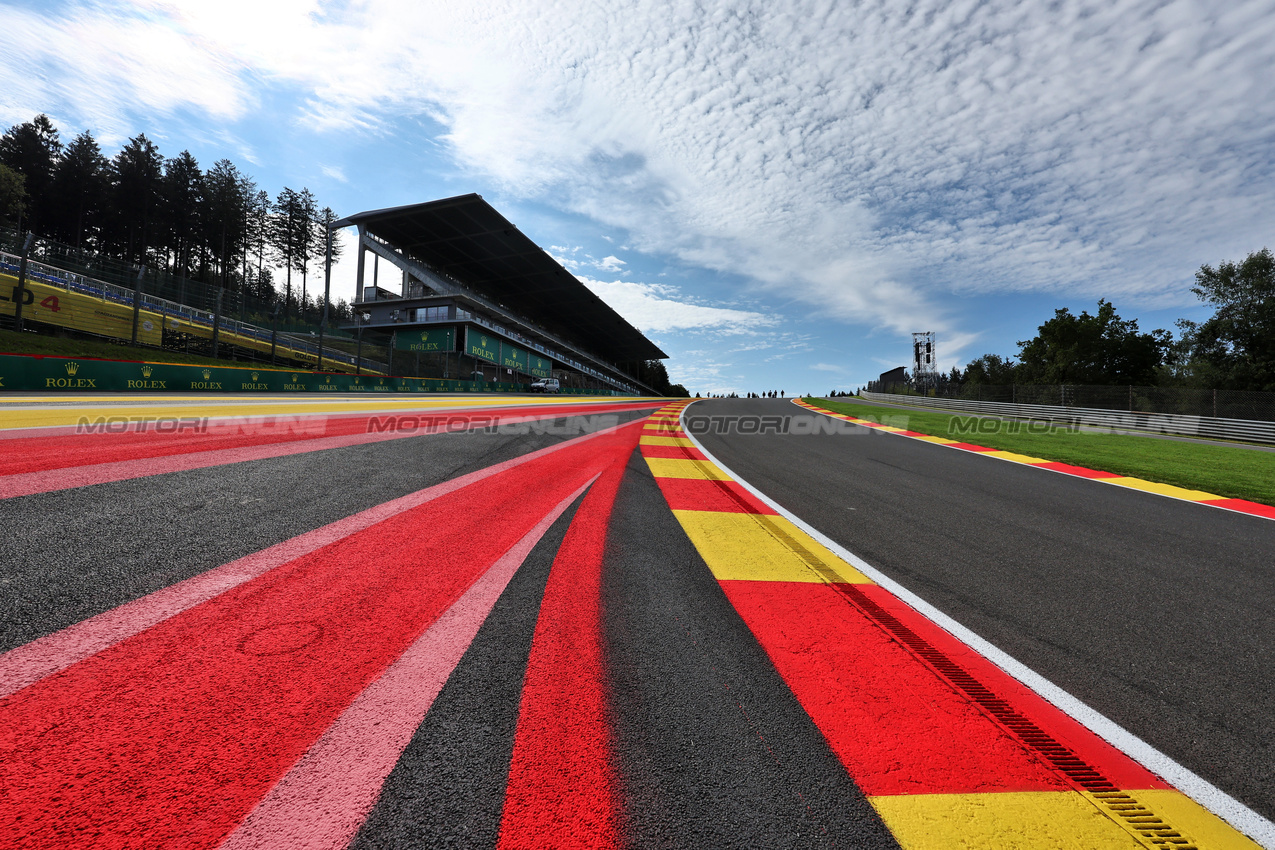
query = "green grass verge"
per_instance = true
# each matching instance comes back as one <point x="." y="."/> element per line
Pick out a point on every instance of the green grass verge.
<point x="1229" y="471"/>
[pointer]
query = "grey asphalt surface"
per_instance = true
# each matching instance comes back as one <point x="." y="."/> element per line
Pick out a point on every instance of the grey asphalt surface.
<point x="71" y="554"/>
<point x="448" y="788"/>
<point x="714" y="750"/>
<point x="1158" y="613"/>
<point x="711" y="748"/>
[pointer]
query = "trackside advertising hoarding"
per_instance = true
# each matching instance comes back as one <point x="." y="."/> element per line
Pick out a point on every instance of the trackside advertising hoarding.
<point x="434" y="339"/>
<point x="540" y="367"/>
<point x="513" y="358"/>
<point x="24" y="373"/>
<point x="482" y="345"/>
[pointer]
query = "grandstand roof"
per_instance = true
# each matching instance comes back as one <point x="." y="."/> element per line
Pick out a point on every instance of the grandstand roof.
<point x="467" y="239"/>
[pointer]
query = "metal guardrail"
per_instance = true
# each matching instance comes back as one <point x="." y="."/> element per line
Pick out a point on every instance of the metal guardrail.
<point x="114" y="293"/>
<point x="1156" y="423"/>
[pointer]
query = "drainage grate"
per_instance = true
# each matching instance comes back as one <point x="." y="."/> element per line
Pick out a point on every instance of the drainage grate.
<point x="1121" y="806"/>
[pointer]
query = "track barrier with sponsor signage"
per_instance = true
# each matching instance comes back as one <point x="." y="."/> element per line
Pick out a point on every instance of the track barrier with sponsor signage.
<point x="24" y="373"/>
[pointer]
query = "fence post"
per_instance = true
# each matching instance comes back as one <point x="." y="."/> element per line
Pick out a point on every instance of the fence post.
<point x="1215" y="402"/>
<point x="274" y="332"/>
<point x="217" y="322"/>
<point x="358" y="356"/>
<point x="137" y="301"/>
<point x="1131" y="398"/>
<point x="327" y="288"/>
<point x="19" y="294"/>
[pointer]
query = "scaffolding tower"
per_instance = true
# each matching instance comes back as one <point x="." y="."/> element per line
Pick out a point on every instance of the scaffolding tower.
<point x="925" y="369"/>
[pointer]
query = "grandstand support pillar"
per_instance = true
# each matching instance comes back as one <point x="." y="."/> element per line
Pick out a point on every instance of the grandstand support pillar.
<point x="358" y="296"/>
<point x="20" y="295"/>
<point x="217" y="321"/>
<point x="137" y="301"/>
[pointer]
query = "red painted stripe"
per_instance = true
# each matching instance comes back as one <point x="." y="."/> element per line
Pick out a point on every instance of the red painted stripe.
<point x="1242" y="506"/>
<point x="139" y="464"/>
<point x="196" y="434"/>
<point x="689" y="494"/>
<point x="27" y="664"/>
<point x="562" y="789"/>
<point x="169" y="738"/>
<point x="897" y="726"/>
<point x="969" y="447"/>
<point x="326" y="796"/>
<point x="1079" y="471"/>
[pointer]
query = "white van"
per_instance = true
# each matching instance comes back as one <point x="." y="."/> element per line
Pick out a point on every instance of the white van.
<point x="545" y="385"/>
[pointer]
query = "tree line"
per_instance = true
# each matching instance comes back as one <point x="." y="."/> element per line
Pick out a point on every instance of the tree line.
<point x="141" y="208"/>
<point x="1234" y="349"/>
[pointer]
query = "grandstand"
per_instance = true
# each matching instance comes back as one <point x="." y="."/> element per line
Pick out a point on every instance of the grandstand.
<point x="479" y="298"/>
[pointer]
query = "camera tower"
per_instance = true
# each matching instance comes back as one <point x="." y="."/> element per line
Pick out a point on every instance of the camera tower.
<point x="925" y="370"/>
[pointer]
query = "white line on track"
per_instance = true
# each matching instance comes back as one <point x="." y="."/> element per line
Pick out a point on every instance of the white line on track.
<point x="1196" y="787"/>
<point x="27" y="664"/>
<point x="325" y="797"/>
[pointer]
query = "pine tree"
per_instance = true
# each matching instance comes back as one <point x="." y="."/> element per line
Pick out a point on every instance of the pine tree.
<point x="78" y="192"/>
<point x="183" y="208"/>
<point x="32" y="150"/>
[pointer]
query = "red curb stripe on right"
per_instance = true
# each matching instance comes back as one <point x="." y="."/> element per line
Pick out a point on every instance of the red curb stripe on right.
<point x="1239" y="506"/>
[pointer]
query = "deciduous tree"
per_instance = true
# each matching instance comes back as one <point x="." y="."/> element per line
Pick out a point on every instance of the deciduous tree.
<point x="1235" y="348"/>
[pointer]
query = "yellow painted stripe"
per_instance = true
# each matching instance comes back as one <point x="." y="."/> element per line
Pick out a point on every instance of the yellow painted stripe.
<point x="49" y="416"/>
<point x="1021" y="820"/>
<point x="1162" y="489"/>
<point x="1016" y="458"/>
<point x="761" y="547"/>
<point x="1194" y="821"/>
<point x="665" y="441"/>
<point x="676" y="468"/>
<point x="1034" y="819"/>
<point x="942" y="441"/>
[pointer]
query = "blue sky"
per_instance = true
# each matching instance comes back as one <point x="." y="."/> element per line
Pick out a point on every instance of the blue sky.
<point x="778" y="193"/>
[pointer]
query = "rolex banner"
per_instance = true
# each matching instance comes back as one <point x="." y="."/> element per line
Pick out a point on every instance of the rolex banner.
<point x="514" y="358"/>
<point x="482" y="345"/>
<point x="540" y="367"/>
<point x="30" y="372"/>
<point x="433" y="339"/>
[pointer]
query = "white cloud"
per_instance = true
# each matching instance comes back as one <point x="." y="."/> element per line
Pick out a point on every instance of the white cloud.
<point x="335" y="173"/>
<point x="863" y="160"/>
<point x="654" y="308"/>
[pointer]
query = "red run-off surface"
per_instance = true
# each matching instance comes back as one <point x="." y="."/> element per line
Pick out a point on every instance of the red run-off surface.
<point x="169" y="738"/>
<point x="203" y="729"/>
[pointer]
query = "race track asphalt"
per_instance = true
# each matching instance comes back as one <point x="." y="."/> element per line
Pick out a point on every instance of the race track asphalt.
<point x="75" y="553"/>
<point x="1158" y="613"/>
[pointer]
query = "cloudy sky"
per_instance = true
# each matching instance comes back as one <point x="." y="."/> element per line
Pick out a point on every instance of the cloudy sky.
<point x="777" y="192"/>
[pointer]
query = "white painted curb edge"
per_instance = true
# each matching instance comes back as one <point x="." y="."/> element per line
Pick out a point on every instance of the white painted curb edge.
<point x="1208" y="795"/>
